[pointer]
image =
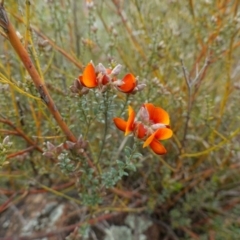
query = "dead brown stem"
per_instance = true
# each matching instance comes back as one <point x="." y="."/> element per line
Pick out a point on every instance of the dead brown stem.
<point x="19" y="153"/>
<point x="21" y="133"/>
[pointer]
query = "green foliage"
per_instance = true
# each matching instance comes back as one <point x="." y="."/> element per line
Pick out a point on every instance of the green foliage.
<point x="65" y="163"/>
<point x="187" y="54"/>
<point x="112" y="176"/>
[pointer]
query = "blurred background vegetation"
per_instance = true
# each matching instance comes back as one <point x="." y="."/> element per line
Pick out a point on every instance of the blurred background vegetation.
<point x="187" y="53"/>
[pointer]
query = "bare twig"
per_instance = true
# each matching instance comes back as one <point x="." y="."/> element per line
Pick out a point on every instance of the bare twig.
<point x="190" y="84"/>
<point x="19" y="153"/>
<point x="189" y="102"/>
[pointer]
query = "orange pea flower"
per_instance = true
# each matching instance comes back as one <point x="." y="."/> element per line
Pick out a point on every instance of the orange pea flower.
<point x="126" y="126"/>
<point x="100" y="77"/>
<point x="157" y="121"/>
<point x="152" y="127"/>
<point x="127" y="84"/>
<point x="89" y="78"/>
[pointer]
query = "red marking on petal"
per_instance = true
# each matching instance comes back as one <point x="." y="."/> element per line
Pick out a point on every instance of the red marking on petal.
<point x="157" y="147"/>
<point x="105" y="80"/>
<point x="120" y="124"/>
<point x="129" y="83"/>
<point x="130" y="121"/>
<point x="163" y="133"/>
<point x="89" y="79"/>
<point x="140" y="130"/>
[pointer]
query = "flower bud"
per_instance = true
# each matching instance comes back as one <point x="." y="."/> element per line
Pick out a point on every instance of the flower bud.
<point x="70" y="145"/>
<point x="59" y="148"/>
<point x="48" y="154"/>
<point x="144" y="114"/>
<point x="84" y="91"/>
<point x="100" y="68"/>
<point x="50" y="146"/>
<point x="116" y="70"/>
<point x="77" y="84"/>
<point x="141" y="86"/>
<point x="73" y="89"/>
<point x="6" y="140"/>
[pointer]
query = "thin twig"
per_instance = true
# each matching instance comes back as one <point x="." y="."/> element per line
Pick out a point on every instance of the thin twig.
<point x="189" y="102"/>
<point x="190" y="84"/>
<point x="199" y="74"/>
<point x="19" y="153"/>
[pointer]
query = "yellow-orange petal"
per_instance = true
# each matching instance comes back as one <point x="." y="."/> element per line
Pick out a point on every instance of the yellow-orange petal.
<point x="160" y="116"/>
<point x="130" y="121"/>
<point x="157" y="147"/>
<point x="129" y="83"/>
<point x="163" y="133"/>
<point x="157" y="114"/>
<point x="120" y="124"/>
<point x="89" y="78"/>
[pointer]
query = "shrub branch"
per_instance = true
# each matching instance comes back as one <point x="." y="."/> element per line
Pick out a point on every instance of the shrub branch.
<point x="41" y="87"/>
